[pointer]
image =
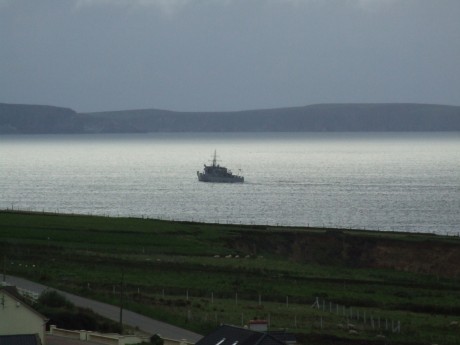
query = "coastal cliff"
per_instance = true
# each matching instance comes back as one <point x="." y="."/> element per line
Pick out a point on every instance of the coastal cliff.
<point x="403" y="252"/>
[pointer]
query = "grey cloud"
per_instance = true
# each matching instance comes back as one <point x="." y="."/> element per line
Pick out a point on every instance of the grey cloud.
<point x="228" y="54"/>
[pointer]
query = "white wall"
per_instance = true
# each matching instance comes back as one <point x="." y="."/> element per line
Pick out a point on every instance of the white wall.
<point x="16" y="318"/>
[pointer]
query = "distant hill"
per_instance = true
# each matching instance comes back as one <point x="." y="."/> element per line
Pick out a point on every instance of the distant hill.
<point x="37" y="119"/>
<point x="22" y="119"/>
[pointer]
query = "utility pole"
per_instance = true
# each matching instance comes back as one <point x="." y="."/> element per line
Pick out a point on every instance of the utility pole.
<point x="4" y="269"/>
<point x="121" y="300"/>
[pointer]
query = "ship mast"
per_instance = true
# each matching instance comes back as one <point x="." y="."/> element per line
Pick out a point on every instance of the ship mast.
<point x="214" y="159"/>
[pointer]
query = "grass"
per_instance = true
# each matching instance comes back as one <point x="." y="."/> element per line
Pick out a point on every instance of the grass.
<point x="178" y="272"/>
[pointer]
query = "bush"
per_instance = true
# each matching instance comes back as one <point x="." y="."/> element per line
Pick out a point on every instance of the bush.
<point x="53" y="299"/>
<point x="156" y="340"/>
<point x="63" y="313"/>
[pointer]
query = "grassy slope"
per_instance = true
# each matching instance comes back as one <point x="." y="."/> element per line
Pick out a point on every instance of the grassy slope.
<point x="412" y="279"/>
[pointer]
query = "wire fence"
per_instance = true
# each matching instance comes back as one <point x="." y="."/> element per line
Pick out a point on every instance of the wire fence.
<point x="455" y="232"/>
<point x="291" y="313"/>
<point x="364" y="319"/>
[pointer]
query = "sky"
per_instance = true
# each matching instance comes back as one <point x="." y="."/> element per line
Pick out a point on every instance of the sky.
<point x="225" y="55"/>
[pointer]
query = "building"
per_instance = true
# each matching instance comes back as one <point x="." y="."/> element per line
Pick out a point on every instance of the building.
<point x="18" y="318"/>
<point x="22" y="339"/>
<point x="231" y="335"/>
<point x="258" y="325"/>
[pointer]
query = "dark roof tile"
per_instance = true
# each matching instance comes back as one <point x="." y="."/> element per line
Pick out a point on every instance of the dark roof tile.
<point x="231" y="335"/>
<point x="20" y="339"/>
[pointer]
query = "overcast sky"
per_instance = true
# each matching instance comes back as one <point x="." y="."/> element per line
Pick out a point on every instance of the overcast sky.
<point x="203" y="55"/>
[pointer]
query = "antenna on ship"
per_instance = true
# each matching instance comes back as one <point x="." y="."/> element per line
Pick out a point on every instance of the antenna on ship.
<point x="214" y="159"/>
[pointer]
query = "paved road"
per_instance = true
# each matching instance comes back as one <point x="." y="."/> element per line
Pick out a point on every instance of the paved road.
<point x="130" y="318"/>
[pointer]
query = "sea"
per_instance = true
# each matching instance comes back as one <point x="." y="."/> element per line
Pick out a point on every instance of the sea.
<point x="379" y="181"/>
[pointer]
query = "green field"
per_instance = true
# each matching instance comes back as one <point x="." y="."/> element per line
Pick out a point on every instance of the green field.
<point x="393" y="288"/>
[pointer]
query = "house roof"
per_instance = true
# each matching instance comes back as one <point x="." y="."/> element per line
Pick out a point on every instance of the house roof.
<point x="285" y="337"/>
<point x="20" y="339"/>
<point x="231" y="335"/>
<point x="12" y="292"/>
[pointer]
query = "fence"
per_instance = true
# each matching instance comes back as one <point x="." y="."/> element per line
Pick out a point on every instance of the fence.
<point x="367" y="319"/>
<point x="109" y="338"/>
<point x="454" y="232"/>
<point x="279" y="312"/>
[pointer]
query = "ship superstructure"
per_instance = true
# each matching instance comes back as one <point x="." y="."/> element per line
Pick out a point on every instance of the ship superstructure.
<point x="217" y="173"/>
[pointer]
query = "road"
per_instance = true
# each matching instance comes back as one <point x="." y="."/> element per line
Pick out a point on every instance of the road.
<point x="145" y="324"/>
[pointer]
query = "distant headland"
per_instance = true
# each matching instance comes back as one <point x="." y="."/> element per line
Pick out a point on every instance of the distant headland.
<point x="365" y="117"/>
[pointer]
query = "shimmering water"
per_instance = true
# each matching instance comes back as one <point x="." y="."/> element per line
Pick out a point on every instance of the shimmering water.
<point x="383" y="181"/>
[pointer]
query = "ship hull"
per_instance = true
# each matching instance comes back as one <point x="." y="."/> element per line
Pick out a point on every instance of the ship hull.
<point x="219" y="179"/>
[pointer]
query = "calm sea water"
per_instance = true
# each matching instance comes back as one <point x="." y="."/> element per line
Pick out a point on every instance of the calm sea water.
<point x="408" y="182"/>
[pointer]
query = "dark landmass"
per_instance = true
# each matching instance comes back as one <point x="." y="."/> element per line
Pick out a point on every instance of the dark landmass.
<point x="37" y="119"/>
<point x="398" y="117"/>
<point x="172" y="269"/>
